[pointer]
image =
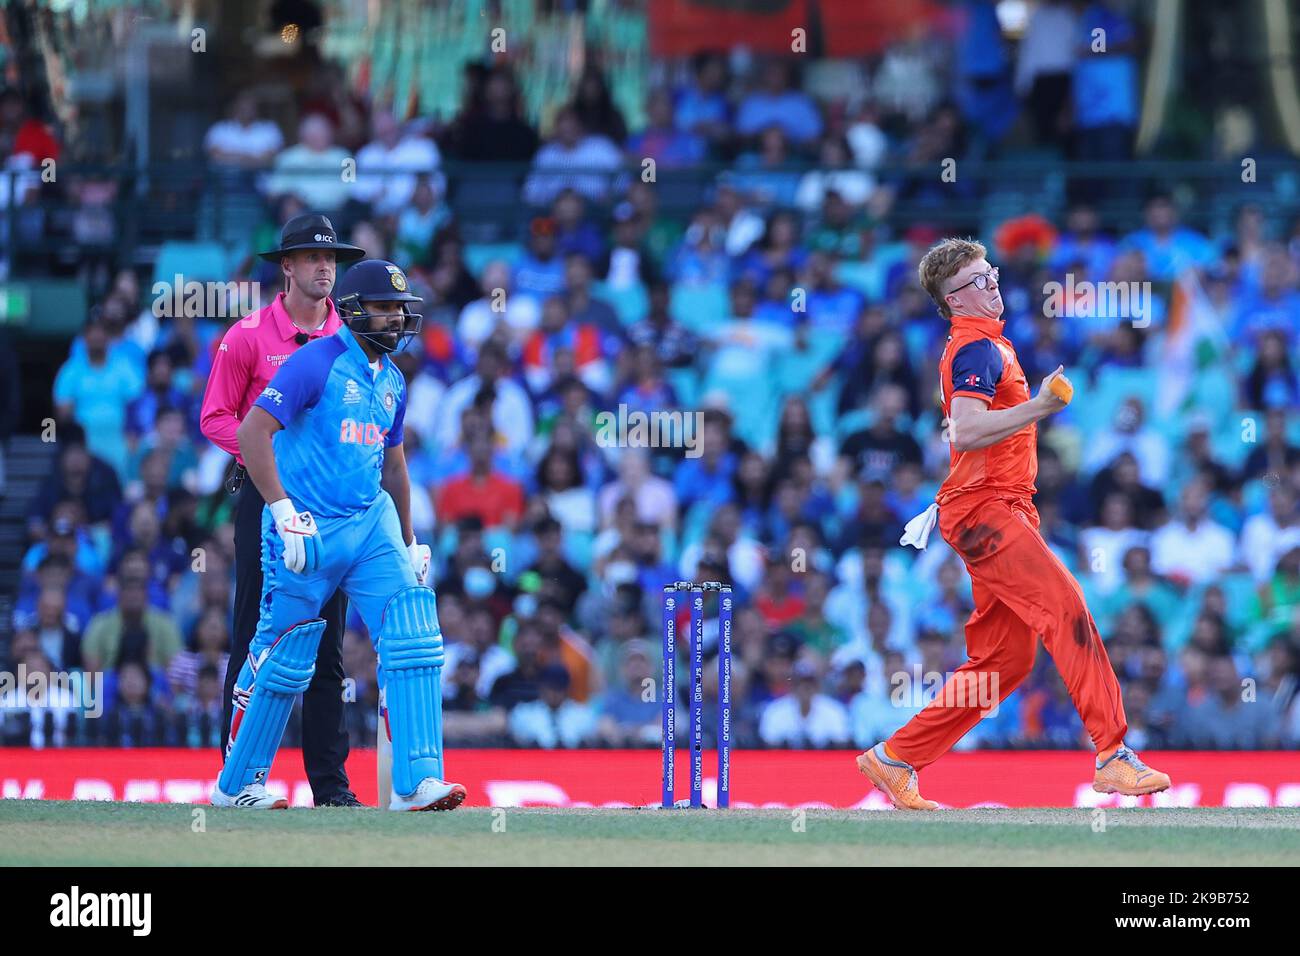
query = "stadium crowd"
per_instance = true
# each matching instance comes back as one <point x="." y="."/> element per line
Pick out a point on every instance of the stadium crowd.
<point x="786" y="312"/>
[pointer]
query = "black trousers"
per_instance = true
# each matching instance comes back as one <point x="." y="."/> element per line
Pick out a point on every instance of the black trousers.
<point x="324" y="734"/>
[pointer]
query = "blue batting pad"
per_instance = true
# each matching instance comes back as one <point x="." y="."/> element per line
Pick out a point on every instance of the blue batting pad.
<point x="411" y="655"/>
<point x="282" y="672"/>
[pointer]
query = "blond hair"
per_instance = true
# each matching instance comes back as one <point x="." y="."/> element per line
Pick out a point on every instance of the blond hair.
<point x="944" y="260"/>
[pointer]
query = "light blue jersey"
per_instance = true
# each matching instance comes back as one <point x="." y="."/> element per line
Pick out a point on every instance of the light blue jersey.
<point x="338" y="417"/>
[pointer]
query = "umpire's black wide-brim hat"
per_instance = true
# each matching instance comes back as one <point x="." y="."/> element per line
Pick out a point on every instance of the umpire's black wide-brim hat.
<point x="312" y="231"/>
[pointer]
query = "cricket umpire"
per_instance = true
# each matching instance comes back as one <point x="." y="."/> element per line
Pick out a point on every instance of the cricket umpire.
<point x="251" y="352"/>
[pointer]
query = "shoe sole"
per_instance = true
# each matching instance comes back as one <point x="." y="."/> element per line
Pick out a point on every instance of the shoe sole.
<point x="865" y="764"/>
<point x="1139" y="792"/>
<point x="450" y="802"/>
<point x="278" y="805"/>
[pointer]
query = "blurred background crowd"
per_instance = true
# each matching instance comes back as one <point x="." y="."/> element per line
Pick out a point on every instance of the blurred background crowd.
<point x="760" y="271"/>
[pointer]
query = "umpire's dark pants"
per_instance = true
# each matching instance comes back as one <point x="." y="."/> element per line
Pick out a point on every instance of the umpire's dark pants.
<point x="324" y="735"/>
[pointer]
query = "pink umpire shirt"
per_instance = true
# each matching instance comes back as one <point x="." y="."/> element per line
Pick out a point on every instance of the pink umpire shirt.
<point x="250" y="353"/>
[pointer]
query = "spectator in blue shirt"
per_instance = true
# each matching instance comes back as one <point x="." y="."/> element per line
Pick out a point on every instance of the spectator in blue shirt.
<point x="702" y="107"/>
<point x="1083" y="241"/>
<point x="69" y="538"/>
<point x="190" y="342"/>
<point x="778" y="248"/>
<point x="134" y="720"/>
<point x="159" y="393"/>
<point x="777" y="303"/>
<point x="165" y="558"/>
<point x="767" y="175"/>
<point x="675" y="346"/>
<point x="832" y="307"/>
<point x="1275" y="307"/>
<point x="983" y="67"/>
<point x="79" y="476"/>
<point x="56" y="572"/>
<point x="94" y="389"/>
<point x="778" y="103"/>
<point x="667" y="144"/>
<point x="1272" y="383"/>
<point x="1169" y="249"/>
<point x="574" y="230"/>
<point x="58" y="631"/>
<point x="540" y="271"/>
<point x="1105" y="84"/>
<point x="585" y="308"/>
<point x="646" y="389"/>
<point x="1221" y="719"/>
<point x="908" y="494"/>
<point x="115" y="313"/>
<point x="644" y="545"/>
<point x="627" y="718"/>
<point x="170" y="441"/>
<point x="708" y="478"/>
<point x="150" y="484"/>
<point x="701" y="257"/>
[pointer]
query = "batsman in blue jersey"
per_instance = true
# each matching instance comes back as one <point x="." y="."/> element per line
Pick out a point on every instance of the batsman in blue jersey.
<point x="323" y="444"/>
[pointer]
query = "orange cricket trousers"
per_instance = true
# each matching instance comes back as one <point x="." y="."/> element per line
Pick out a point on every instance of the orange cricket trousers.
<point x="1021" y="591"/>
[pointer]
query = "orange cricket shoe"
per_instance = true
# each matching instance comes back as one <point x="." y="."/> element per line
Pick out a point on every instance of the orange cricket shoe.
<point x="893" y="778"/>
<point x="1124" y="772"/>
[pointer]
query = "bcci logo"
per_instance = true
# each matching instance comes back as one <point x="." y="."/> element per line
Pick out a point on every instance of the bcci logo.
<point x="397" y="278"/>
<point x="388" y="401"/>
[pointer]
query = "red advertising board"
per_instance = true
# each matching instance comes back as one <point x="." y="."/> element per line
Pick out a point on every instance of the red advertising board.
<point x="846" y="27"/>
<point x="619" y="778"/>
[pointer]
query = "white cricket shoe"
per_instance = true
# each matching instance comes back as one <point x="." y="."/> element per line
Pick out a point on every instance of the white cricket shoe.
<point x="252" y="797"/>
<point x="431" y="794"/>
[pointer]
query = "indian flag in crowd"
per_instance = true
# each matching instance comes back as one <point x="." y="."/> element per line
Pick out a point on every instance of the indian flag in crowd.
<point x="1194" y="336"/>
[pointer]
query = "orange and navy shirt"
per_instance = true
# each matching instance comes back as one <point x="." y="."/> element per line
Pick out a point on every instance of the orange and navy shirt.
<point x="979" y="362"/>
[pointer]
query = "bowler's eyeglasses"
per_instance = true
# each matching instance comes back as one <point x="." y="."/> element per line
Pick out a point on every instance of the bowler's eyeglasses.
<point x="979" y="281"/>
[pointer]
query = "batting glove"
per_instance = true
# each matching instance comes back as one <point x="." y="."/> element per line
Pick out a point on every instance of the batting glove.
<point x="421" y="557"/>
<point x="303" y="550"/>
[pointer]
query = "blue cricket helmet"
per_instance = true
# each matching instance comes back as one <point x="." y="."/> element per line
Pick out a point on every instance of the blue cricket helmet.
<point x="377" y="280"/>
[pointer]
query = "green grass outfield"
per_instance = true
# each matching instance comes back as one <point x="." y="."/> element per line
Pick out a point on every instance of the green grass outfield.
<point x="38" y="832"/>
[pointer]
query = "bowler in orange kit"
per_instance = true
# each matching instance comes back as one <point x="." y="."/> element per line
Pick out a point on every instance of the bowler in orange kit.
<point x="1021" y="589"/>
